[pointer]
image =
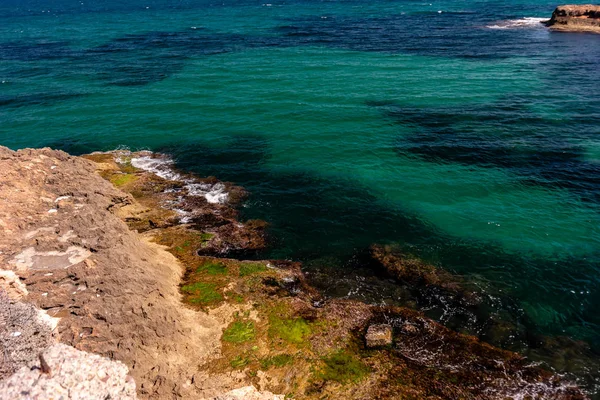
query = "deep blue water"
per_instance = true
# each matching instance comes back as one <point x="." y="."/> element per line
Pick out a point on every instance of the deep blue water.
<point x="460" y="130"/>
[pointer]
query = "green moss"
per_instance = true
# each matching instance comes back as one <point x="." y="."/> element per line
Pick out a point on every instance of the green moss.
<point x="205" y="237"/>
<point x="212" y="268"/>
<point x="239" y="362"/>
<point x="293" y="330"/>
<point x="279" y="360"/>
<point x="238" y="298"/>
<point x="343" y="367"/>
<point x="239" y="332"/>
<point x="126" y="166"/>
<point x="251" y="269"/>
<point x="202" y="293"/>
<point x="183" y="247"/>
<point x="122" y="179"/>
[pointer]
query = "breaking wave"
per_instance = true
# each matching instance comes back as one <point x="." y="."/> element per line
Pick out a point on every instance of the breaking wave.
<point x="521" y="23"/>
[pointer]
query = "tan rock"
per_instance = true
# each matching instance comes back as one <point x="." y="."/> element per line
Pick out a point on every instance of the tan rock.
<point x="63" y="372"/>
<point x="248" y="393"/>
<point x="576" y="18"/>
<point x="12" y="285"/>
<point x="379" y="335"/>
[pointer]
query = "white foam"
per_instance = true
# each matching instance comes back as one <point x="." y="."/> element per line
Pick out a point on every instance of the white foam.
<point x="159" y="166"/>
<point x="163" y="167"/>
<point x="522" y="23"/>
<point x="185" y="217"/>
<point x="520" y="389"/>
<point x="213" y="193"/>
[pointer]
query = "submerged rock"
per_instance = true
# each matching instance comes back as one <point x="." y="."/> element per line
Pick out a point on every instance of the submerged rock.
<point x="576" y="18"/>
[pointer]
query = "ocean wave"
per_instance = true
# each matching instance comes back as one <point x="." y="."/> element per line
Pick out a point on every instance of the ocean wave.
<point x="521" y="23"/>
<point x="158" y="166"/>
<point x="213" y="193"/>
<point x="163" y="167"/>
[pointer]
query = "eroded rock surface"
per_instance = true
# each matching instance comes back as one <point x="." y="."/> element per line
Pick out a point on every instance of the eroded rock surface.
<point x="248" y="393"/>
<point x="116" y="294"/>
<point x="576" y="18"/>
<point x="63" y="372"/>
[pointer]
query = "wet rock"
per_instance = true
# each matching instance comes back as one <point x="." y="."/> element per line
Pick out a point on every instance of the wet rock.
<point x="409" y="329"/>
<point x="379" y="335"/>
<point x="407" y="268"/>
<point x="576" y="18"/>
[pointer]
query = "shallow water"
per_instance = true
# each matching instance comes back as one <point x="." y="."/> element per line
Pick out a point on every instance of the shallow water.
<point x="463" y="130"/>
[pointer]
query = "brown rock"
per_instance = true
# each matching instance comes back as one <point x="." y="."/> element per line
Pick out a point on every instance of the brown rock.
<point x="379" y="335"/>
<point x="576" y="18"/>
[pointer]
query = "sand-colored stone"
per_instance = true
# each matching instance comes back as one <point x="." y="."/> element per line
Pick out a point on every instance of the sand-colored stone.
<point x="69" y="374"/>
<point x="115" y="292"/>
<point x="576" y="18"/>
<point x="379" y="335"/>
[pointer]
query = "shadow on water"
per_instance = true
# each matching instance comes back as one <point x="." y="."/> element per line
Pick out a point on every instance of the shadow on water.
<point x="148" y="57"/>
<point x="43" y="99"/>
<point x="506" y="134"/>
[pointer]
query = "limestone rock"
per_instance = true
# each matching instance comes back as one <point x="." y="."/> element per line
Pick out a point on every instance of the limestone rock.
<point x="576" y="18"/>
<point x="67" y="373"/>
<point x="379" y="335"/>
<point x="12" y="285"/>
<point x="248" y="393"/>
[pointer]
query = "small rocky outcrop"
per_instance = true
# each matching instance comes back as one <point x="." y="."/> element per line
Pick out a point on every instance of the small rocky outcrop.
<point x="576" y="18"/>
<point x="379" y="335"/>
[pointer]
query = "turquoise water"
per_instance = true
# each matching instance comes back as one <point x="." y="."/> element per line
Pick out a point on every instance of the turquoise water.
<point x="443" y="126"/>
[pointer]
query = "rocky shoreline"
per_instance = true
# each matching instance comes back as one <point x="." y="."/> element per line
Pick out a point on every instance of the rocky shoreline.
<point x="575" y="18"/>
<point x="144" y="265"/>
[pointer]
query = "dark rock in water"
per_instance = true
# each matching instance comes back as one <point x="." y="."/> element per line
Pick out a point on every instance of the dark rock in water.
<point x="379" y="335"/>
<point x="576" y="18"/>
<point x="407" y="268"/>
<point x="409" y="329"/>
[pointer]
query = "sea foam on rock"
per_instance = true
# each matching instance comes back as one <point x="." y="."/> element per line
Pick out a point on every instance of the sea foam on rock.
<point x="162" y="166"/>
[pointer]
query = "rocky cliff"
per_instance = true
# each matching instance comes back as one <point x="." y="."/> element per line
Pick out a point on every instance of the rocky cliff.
<point x="114" y="292"/>
<point x="576" y="18"/>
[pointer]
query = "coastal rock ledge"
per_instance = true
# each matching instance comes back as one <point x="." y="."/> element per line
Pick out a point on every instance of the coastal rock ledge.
<point x="576" y="18"/>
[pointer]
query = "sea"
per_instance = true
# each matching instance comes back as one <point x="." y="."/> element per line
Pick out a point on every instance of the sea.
<point x="464" y="132"/>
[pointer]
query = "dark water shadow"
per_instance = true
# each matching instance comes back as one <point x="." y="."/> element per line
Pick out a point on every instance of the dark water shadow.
<point x="38" y="99"/>
<point x="504" y="135"/>
<point x="428" y="33"/>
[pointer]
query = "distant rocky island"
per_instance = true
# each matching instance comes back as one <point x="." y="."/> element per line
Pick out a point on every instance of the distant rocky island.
<point x="576" y="18"/>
